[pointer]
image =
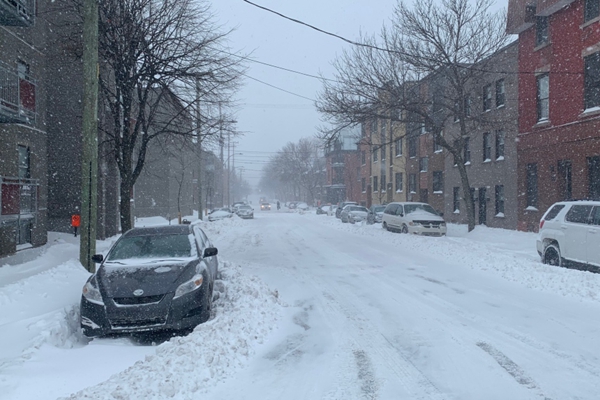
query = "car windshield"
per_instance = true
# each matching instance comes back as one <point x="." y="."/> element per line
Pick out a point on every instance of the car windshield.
<point x="152" y="246"/>
<point x="411" y="208"/>
<point x="357" y="208"/>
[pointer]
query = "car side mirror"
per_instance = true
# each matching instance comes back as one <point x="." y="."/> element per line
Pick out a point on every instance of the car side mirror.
<point x="400" y="214"/>
<point x="97" y="258"/>
<point x="210" y="251"/>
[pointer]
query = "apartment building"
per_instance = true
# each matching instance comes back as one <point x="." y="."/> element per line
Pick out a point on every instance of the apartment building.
<point x="23" y="130"/>
<point x="559" y="102"/>
<point x="343" y="167"/>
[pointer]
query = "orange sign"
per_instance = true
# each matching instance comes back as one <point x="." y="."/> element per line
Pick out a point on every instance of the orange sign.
<point x="75" y="220"/>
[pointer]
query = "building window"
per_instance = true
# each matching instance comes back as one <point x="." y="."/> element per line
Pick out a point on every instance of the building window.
<point x="375" y="155"/>
<point x="541" y="30"/>
<point x="500" y="97"/>
<point x="500" y="145"/>
<point x="24" y="162"/>
<point x="543" y="97"/>
<point x="592" y="80"/>
<point x="375" y="183"/>
<point x="438" y="181"/>
<point x="437" y="147"/>
<point x="532" y="186"/>
<point x="487" y="97"/>
<point x="592" y="10"/>
<point x="363" y="156"/>
<point x="412" y="146"/>
<point x="423" y="129"/>
<point x="399" y="182"/>
<point x="467" y="152"/>
<point x="383" y="183"/>
<point x="382" y="148"/>
<point x="363" y="183"/>
<point x="423" y="164"/>
<point x="456" y="199"/>
<point x="487" y="147"/>
<point x="398" y="145"/>
<point x="467" y="106"/>
<point x="565" y="182"/>
<point x="499" y="200"/>
<point x="412" y="183"/>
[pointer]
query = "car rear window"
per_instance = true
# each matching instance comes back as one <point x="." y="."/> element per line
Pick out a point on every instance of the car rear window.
<point x="579" y="214"/>
<point x="553" y="212"/>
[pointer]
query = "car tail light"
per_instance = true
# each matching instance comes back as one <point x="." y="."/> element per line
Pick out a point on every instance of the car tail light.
<point x="541" y="223"/>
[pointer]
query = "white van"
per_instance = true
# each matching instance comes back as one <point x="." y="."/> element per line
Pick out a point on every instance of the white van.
<point x="417" y="218"/>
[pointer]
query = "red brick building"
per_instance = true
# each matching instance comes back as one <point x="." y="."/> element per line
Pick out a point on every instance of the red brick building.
<point x="343" y="168"/>
<point x="559" y="103"/>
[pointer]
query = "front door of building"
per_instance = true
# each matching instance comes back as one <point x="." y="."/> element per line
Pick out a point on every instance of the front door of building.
<point x="482" y="206"/>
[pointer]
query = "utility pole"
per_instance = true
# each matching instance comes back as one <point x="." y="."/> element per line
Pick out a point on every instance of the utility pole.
<point x="221" y="143"/>
<point x="199" y="138"/>
<point x="89" y="170"/>
<point x="228" y="167"/>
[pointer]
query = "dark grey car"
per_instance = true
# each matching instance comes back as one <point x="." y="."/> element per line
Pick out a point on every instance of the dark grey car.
<point x="158" y="278"/>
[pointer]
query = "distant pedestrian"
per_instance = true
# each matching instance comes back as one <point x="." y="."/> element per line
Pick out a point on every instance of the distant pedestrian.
<point x="278" y="205"/>
<point x="75" y="222"/>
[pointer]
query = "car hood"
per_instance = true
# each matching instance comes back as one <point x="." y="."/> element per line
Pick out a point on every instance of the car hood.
<point x="423" y="215"/>
<point x="152" y="277"/>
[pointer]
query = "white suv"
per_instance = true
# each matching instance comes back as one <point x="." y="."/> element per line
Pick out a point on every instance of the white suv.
<point x="570" y="234"/>
<point x="418" y="218"/>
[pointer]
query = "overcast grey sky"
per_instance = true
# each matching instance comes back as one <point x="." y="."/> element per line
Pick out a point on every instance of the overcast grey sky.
<point x="270" y="118"/>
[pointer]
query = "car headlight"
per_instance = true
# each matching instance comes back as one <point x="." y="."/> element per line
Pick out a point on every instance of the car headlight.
<point x="189" y="286"/>
<point x="91" y="292"/>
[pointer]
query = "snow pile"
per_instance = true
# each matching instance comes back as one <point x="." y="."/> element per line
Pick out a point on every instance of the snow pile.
<point x="185" y="367"/>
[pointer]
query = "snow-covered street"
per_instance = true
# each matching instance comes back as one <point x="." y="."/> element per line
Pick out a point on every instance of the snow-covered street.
<point x="310" y="308"/>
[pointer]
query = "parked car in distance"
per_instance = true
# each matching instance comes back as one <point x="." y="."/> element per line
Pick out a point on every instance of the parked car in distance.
<point x="292" y="205"/>
<point x="302" y="206"/>
<point x="245" y="211"/>
<point x="417" y="218"/>
<point x="152" y="279"/>
<point x="341" y="205"/>
<point x="265" y="207"/>
<point x="354" y="213"/>
<point x="569" y="235"/>
<point x="375" y="214"/>
<point x="219" y="214"/>
<point x="236" y="205"/>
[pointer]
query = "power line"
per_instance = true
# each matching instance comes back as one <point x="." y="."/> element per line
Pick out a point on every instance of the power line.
<point x="278" y="88"/>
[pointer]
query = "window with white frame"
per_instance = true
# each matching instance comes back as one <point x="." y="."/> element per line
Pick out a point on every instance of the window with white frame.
<point x="398" y="146"/>
<point x="399" y="182"/>
<point x="412" y="183"/>
<point x="423" y="164"/>
<point x="543" y="97"/>
<point x="499" y="200"/>
<point x="592" y="80"/>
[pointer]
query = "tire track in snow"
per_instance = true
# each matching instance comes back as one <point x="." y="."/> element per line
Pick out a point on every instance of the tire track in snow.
<point x="512" y="368"/>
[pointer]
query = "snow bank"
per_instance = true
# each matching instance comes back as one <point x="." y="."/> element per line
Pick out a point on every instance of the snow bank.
<point x="185" y="367"/>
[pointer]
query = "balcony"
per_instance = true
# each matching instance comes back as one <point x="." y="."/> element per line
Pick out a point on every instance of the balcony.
<point x="17" y="97"/>
<point x="17" y="12"/>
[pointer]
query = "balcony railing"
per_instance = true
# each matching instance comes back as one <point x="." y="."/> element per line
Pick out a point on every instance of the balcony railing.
<point x="17" y="97"/>
<point x="17" y="12"/>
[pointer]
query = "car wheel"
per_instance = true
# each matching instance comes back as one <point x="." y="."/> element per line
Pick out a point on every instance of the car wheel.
<point x="552" y="255"/>
<point x="351" y="221"/>
<point x="208" y="297"/>
<point x="385" y="226"/>
<point x="404" y="229"/>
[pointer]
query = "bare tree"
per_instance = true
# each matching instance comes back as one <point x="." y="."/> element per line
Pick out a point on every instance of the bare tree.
<point x="295" y="172"/>
<point x="157" y="52"/>
<point x="419" y="71"/>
